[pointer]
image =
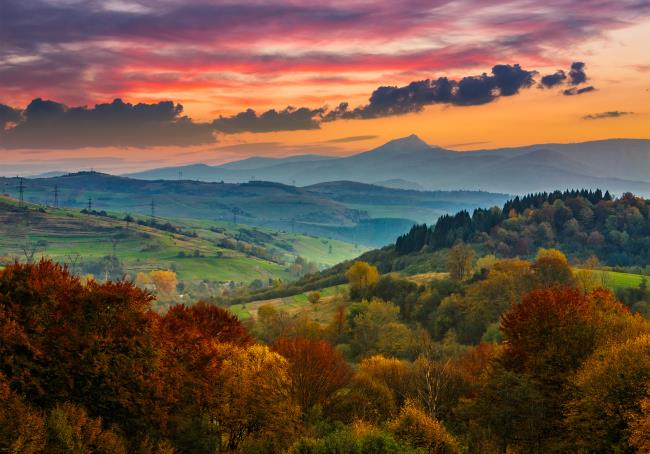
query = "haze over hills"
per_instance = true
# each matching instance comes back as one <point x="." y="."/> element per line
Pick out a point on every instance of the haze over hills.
<point x="357" y="212"/>
<point x="619" y="165"/>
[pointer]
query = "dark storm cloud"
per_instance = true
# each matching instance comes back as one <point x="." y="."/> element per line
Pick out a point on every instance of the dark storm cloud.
<point x="289" y="119"/>
<point x="8" y="115"/>
<point x="551" y="80"/>
<point x="577" y="74"/>
<point x="49" y="124"/>
<point x="578" y="91"/>
<point x="609" y="114"/>
<point x="505" y="80"/>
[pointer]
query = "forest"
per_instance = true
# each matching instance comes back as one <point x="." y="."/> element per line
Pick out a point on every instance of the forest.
<point x="502" y="355"/>
<point x="580" y="222"/>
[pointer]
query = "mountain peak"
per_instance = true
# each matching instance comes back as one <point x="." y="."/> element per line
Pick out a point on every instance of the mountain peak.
<point x="412" y="139"/>
<point x="404" y="145"/>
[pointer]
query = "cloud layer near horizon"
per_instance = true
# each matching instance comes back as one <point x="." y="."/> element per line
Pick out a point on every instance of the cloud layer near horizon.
<point x="50" y="124"/>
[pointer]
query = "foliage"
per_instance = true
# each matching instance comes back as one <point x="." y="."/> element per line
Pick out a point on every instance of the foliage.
<point x="419" y="430"/>
<point x="583" y="223"/>
<point x="361" y="275"/>
<point x="609" y="390"/>
<point x="459" y="261"/>
<point x="316" y="369"/>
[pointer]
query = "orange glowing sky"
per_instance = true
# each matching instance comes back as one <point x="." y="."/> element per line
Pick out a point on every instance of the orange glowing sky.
<point x="218" y="59"/>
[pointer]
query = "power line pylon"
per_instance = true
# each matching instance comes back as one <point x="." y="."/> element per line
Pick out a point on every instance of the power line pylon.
<point x="21" y="192"/>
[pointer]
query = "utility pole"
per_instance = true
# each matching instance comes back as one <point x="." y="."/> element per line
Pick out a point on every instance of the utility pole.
<point x="21" y="192"/>
<point x="153" y="210"/>
<point x="56" y="196"/>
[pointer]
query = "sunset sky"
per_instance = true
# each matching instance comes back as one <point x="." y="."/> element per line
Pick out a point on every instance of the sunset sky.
<point x="218" y="59"/>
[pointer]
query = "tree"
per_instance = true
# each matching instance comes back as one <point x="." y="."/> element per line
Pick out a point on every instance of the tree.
<point x="313" y="297"/>
<point x="361" y="275"/>
<point x="165" y="281"/>
<point x="420" y="430"/>
<point x="252" y="398"/>
<point x="459" y="261"/>
<point x="316" y="369"/>
<point x="552" y="268"/>
<point x="508" y="412"/>
<point x="22" y="428"/>
<point x="204" y="322"/>
<point x="609" y="390"/>
<point x="71" y="430"/>
<point x="93" y="344"/>
<point x="639" y="425"/>
<point x="549" y="333"/>
<point x="377" y="329"/>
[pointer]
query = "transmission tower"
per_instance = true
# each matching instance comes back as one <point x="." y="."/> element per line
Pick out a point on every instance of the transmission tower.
<point x="56" y="196"/>
<point x="21" y="192"/>
<point x="90" y="204"/>
<point x="153" y="211"/>
<point x="234" y="215"/>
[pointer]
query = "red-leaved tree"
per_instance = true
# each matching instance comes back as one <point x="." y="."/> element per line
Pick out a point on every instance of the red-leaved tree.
<point x="317" y="370"/>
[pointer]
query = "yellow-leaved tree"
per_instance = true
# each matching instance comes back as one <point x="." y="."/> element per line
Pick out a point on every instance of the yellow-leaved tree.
<point x="165" y="281"/>
<point x="362" y="275"/>
<point x="254" y="402"/>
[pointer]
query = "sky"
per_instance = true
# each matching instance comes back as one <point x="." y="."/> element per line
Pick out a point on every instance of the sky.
<point x="120" y="85"/>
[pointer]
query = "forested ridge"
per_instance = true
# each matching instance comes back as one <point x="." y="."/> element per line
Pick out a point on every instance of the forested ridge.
<point x="580" y="222"/>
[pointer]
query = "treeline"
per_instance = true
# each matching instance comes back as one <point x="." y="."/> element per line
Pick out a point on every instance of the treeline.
<point x="581" y="223"/>
<point x="90" y="367"/>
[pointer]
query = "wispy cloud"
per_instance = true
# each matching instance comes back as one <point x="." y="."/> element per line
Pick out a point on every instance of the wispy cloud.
<point x="351" y="139"/>
<point x="603" y="115"/>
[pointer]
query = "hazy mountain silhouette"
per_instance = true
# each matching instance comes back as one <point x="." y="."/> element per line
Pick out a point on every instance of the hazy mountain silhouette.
<point x="619" y="165"/>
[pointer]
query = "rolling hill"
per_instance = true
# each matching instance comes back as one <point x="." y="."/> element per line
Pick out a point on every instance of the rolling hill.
<point x="197" y="250"/>
<point x="359" y="213"/>
<point x="619" y="165"/>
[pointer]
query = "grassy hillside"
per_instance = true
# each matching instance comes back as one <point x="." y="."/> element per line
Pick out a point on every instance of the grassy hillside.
<point x="617" y="280"/>
<point x="296" y="304"/>
<point x="198" y="250"/>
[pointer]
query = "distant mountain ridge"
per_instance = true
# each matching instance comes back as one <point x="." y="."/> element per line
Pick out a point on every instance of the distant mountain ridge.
<point x="619" y="165"/>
